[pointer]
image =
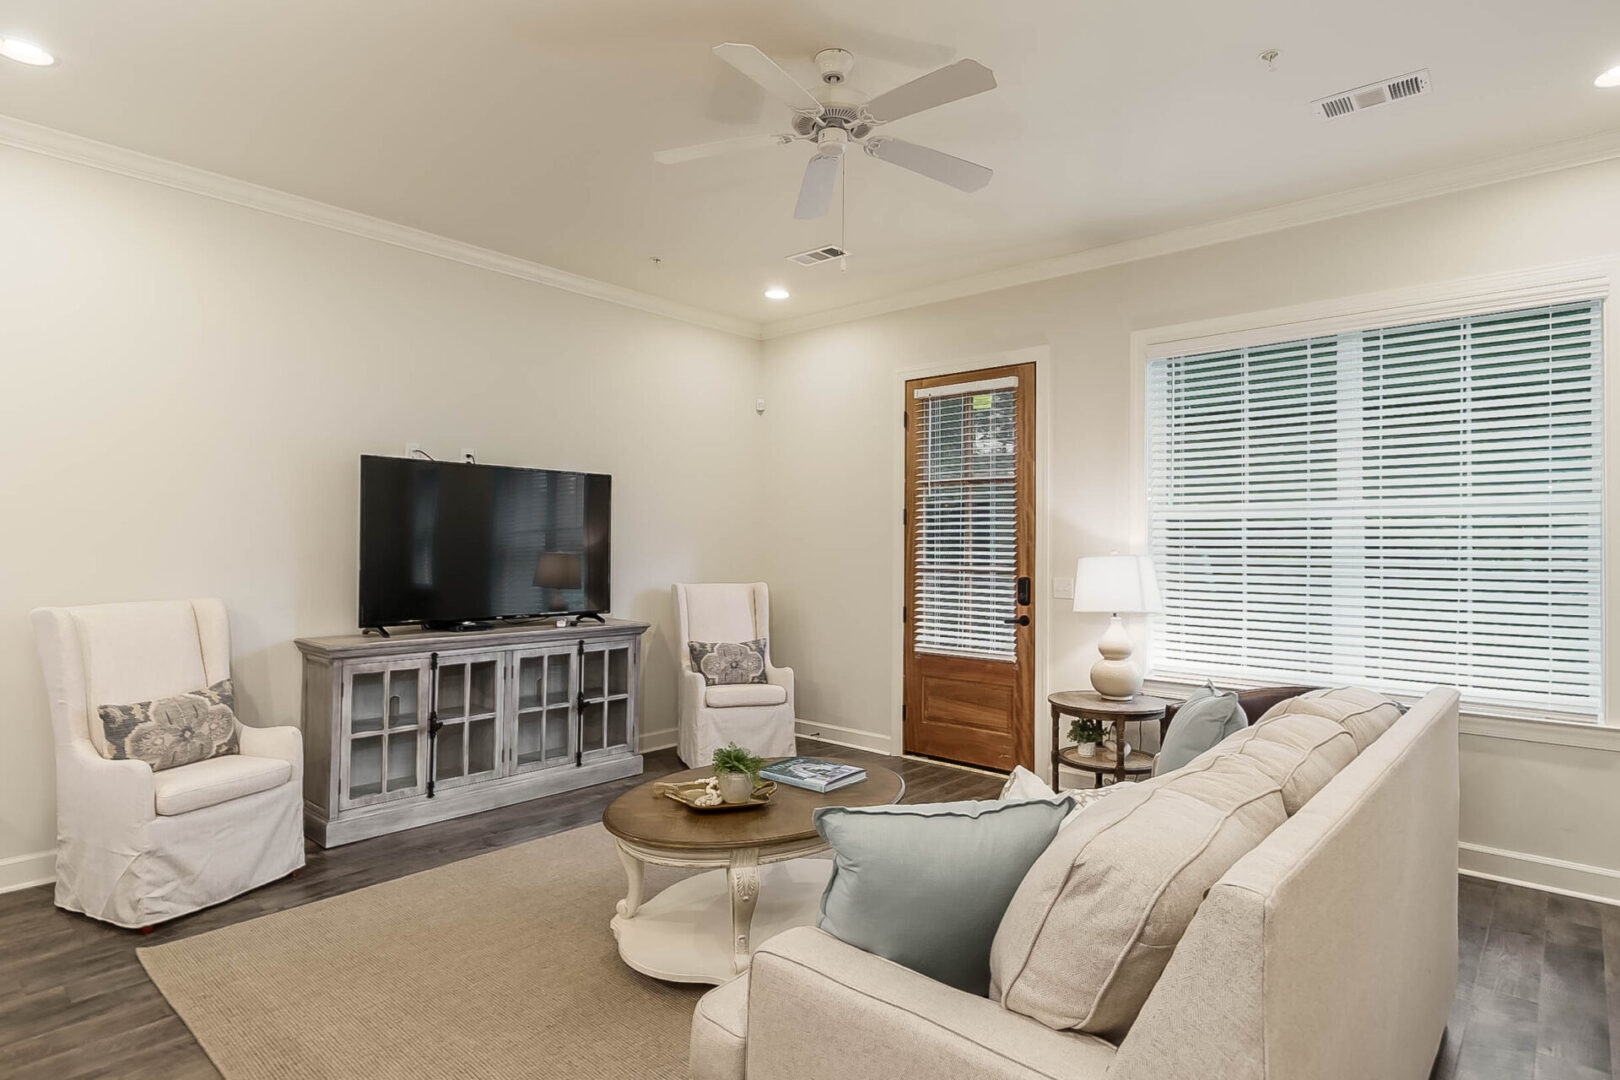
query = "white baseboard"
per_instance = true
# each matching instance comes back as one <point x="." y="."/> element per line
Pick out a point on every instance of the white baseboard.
<point x="1596" y="883"/>
<point x="853" y="738"/>
<point x="662" y="739"/>
<point x="26" y="871"/>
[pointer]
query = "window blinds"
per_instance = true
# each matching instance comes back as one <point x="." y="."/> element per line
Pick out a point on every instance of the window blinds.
<point x="963" y="519"/>
<point x="1399" y="508"/>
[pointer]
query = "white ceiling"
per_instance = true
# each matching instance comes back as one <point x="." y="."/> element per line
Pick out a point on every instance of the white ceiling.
<point x="528" y="127"/>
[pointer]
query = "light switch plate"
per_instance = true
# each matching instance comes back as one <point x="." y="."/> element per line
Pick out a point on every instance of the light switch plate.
<point x="1063" y="588"/>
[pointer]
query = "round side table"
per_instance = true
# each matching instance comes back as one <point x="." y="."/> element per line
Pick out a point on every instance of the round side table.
<point x="1090" y="705"/>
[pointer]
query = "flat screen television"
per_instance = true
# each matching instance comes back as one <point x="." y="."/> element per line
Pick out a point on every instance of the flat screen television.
<point x="448" y="544"/>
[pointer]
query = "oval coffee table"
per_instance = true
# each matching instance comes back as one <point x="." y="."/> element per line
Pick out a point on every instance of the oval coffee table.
<point x="701" y="929"/>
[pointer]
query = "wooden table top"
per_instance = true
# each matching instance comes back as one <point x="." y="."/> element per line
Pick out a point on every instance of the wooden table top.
<point x="1094" y="704"/>
<point x="642" y="817"/>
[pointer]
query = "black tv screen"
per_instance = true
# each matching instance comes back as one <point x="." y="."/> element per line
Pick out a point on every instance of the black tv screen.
<point x="443" y="543"/>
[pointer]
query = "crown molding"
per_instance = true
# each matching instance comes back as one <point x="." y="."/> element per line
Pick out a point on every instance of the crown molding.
<point x="1558" y="156"/>
<point x="22" y="135"/>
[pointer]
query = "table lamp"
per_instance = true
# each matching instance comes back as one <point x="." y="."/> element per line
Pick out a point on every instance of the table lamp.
<point x="1118" y="585"/>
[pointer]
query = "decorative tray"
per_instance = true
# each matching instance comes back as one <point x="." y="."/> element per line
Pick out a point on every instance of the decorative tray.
<point x="688" y="794"/>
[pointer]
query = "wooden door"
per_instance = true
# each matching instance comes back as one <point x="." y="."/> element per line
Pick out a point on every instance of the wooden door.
<point x="970" y="550"/>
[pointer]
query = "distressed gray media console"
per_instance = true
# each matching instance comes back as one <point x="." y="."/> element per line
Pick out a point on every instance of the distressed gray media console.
<point x="428" y="725"/>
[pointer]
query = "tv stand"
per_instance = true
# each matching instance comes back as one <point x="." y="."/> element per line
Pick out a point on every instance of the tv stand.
<point x="380" y="630"/>
<point x="583" y="615"/>
<point x="426" y="725"/>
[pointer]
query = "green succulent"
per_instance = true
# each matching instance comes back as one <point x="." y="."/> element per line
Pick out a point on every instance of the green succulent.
<point x="733" y="758"/>
<point x="1083" y="731"/>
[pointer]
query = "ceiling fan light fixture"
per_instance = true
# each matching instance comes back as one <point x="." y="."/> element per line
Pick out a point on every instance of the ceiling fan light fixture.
<point x="25" y="52"/>
<point x="776" y="292"/>
<point x="1609" y="79"/>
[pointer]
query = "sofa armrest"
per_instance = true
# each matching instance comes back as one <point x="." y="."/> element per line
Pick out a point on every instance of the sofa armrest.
<point x="783" y="677"/>
<point x="285" y="743"/>
<point x="819" y="1007"/>
<point x="106" y="797"/>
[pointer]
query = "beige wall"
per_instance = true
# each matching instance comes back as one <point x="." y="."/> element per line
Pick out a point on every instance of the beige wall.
<point x="187" y="388"/>
<point x="835" y="399"/>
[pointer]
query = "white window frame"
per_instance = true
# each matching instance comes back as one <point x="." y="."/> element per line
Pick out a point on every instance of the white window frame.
<point x="1570" y="282"/>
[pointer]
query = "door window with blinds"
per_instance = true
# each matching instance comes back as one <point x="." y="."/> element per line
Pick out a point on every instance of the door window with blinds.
<point x="965" y="519"/>
<point x="1400" y="508"/>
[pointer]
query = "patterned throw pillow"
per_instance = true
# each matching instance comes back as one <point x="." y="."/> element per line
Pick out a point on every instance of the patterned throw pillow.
<point x="171" y="731"/>
<point x="725" y="664"/>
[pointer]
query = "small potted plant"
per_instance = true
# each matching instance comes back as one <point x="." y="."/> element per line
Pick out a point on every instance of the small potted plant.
<point x="1087" y="736"/>
<point x="736" y="770"/>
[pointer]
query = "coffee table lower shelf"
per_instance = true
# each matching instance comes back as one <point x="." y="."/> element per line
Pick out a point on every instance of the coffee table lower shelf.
<point x="685" y="933"/>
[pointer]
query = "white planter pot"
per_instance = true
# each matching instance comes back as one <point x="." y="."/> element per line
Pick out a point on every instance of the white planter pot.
<point x="736" y="787"/>
<point x="1086" y="749"/>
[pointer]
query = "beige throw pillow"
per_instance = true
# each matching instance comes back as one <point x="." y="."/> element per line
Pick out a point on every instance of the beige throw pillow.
<point x="1365" y="714"/>
<point x="1094" y="921"/>
<point x="1301" y="752"/>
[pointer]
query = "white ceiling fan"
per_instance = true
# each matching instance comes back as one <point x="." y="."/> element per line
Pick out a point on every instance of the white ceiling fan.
<point x="834" y="121"/>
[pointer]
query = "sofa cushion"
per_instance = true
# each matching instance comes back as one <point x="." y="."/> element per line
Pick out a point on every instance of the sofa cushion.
<point x="1094" y="921"/>
<point x="1365" y="714"/>
<point x="925" y="885"/>
<point x="217" y="780"/>
<point x="1301" y="752"/>
<point x="172" y="731"/>
<point x="728" y="663"/>
<point x="720" y="1032"/>
<point x="1023" y="784"/>
<point x="725" y="697"/>
<point x="1203" y="720"/>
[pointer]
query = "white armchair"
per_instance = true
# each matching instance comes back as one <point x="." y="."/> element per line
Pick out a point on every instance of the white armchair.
<point x="758" y="716"/>
<point x="137" y="847"/>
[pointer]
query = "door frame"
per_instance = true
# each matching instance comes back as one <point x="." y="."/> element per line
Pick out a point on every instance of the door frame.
<point x="1041" y="357"/>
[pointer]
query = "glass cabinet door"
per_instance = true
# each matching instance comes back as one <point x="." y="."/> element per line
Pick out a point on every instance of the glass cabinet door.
<point x="467" y="748"/>
<point x="543" y="695"/>
<point x="607" y="721"/>
<point x="384" y="731"/>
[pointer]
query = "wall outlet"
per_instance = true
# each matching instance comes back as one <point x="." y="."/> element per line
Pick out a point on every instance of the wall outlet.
<point x="1063" y="588"/>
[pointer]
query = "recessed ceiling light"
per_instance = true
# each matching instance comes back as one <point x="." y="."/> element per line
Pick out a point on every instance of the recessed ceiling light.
<point x="25" y="52"/>
<point x="776" y="292"/>
<point x="1608" y="79"/>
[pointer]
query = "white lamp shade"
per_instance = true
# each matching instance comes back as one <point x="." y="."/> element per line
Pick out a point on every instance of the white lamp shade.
<point x="1119" y="584"/>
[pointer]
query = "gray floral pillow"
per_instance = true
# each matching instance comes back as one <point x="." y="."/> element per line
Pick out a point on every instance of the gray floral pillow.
<point x="722" y="663"/>
<point x="171" y="731"/>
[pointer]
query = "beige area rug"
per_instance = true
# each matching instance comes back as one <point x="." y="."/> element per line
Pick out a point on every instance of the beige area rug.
<point x="497" y="966"/>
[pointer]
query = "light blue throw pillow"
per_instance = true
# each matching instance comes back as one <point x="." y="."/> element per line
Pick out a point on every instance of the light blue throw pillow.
<point x="1204" y="719"/>
<point x="926" y="885"/>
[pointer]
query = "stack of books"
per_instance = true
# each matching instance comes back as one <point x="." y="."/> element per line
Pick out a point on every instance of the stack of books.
<point x="815" y="774"/>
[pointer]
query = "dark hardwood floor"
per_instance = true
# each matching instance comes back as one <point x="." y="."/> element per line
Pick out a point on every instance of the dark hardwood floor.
<point x="1537" y="999"/>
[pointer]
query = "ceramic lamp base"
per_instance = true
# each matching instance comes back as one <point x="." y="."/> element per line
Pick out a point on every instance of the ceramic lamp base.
<point x="1116" y="677"/>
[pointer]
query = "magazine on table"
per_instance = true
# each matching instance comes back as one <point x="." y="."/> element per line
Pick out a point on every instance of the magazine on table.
<point x="815" y="774"/>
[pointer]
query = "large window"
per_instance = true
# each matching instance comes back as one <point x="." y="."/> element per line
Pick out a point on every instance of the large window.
<point x="1399" y="507"/>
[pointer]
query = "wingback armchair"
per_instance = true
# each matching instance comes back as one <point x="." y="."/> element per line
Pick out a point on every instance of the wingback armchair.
<point x="758" y="716"/>
<point x="136" y="847"/>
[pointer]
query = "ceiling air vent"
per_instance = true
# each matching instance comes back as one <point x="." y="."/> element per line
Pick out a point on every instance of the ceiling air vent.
<point x="1372" y="95"/>
<point x="817" y="256"/>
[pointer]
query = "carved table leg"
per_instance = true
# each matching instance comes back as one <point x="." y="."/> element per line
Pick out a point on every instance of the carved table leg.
<point x="635" y="870"/>
<point x="742" y="880"/>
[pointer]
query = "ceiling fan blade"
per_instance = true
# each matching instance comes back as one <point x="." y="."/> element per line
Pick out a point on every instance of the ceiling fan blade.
<point x="957" y="172"/>
<point x="820" y="180"/>
<point x="950" y="83"/>
<point x="763" y="70"/>
<point x="723" y="146"/>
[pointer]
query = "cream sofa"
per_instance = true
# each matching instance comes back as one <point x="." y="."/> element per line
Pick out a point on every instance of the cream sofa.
<point x="1328" y="952"/>
<point x="137" y="847"/>
<point x="758" y="716"/>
